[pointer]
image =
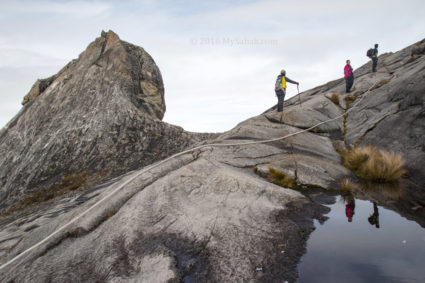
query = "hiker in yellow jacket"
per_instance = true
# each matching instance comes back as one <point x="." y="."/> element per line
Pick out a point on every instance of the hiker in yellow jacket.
<point x="280" y="88"/>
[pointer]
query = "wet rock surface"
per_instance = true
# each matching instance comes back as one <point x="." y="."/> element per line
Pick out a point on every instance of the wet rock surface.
<point x="208" y="215"/>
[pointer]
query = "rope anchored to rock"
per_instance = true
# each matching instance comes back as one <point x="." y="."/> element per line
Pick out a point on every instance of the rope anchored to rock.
<point x="148" y="168"/>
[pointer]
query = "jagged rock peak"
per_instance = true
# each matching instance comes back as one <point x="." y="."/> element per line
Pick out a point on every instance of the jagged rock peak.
<point x="98" y="117"/>
<point x="132" y="63"/>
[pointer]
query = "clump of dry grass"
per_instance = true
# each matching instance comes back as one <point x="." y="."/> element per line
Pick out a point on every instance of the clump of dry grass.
<point x="347" y="185"/>
<point x="281" y="179"/>
<point x="374" y="164"/>
<point x="335" y="98"/>
<point x="348" y="99"/>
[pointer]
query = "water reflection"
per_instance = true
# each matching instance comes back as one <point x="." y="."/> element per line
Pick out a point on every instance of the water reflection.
<point x="374" y="218"/>
<point x="349" y="207"/>
<point x="403" y="197"/>
<point x="369" y="237"/>
<point x="389" y="191"/>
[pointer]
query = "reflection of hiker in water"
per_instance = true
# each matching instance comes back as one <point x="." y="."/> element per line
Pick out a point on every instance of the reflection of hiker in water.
<point x="374" y="218"/>
<point x="349" y="208"/>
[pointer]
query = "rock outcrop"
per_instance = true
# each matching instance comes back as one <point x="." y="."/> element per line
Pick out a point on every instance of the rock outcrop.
<point x="209" y="215"/>
<point x="99" y="117"/>
<point x="392" y="116"/>
<point x="389" y="109"/>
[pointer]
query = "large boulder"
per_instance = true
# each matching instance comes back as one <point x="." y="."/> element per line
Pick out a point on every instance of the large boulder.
<point x="99" y="117"/>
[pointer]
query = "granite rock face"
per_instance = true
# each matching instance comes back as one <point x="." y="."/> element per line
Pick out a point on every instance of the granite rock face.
<point x="392" y="115"/>
<point x="193" y="218"/>
<point x="209" y="215"/>
<point x="388" y="110"/>
<point x="98" y="117"/>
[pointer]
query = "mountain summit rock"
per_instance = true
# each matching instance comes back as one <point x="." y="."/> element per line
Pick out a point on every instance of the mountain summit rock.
<point x="98" y="117"/>
<point x="211" y="214"/>
<point x="107" y="62"/>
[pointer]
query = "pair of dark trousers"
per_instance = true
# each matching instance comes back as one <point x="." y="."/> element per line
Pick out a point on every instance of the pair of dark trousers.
<point x="374" y="64"/>
<point x="349" y="83"/>
<point x="280" y="97"/>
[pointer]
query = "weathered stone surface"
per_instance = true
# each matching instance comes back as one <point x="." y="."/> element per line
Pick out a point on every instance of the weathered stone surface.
<point x="99" y="116"/>
<point x="310" y="113"/>
<point x="392" y="116"/>
<point x="309" y="170"/>
<point x="39" y="86"/>
<point x="206" y="216"/>
<point x="193" y="218"/>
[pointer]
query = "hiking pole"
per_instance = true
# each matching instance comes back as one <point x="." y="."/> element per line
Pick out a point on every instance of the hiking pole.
<point x="299" y="96"/>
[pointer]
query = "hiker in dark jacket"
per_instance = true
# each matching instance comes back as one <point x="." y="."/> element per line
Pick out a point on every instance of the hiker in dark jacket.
<point x="374" y="218"/>
<point x="374" y="58"/>
<point x="280" y="88"/>
<point x="348" y="76"/>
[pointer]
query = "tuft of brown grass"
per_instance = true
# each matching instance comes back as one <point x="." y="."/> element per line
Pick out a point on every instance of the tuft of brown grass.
<point x="281" y="179"/>
<point x="355" y="158"/>
<point x="335" y="98"/>
<point x="347" y="185"/>
<point x="348" y="100"/>
<point x="387" y="166"/>
<point x="344" y="124"/>
<point x="370" y="163"/>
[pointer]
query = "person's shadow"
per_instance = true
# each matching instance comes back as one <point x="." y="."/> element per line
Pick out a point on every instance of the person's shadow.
<point x="374" y="218"/>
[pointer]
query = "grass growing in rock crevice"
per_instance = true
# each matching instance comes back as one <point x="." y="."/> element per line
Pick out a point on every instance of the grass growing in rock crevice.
<point x="358" y="141"/>
<point x="348" y="100"/>
<point x="335" y="99"/>
<point x="344" y="127"/>
<point x="370" y="163"/>
<point x="68" y="183"/>
<point x="281" y="179"/>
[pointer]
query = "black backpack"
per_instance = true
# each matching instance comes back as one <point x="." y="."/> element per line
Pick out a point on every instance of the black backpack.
<point x="369" y="53"/>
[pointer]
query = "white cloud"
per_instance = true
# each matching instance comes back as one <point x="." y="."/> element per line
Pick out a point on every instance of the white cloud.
<point x="17" y="58"/>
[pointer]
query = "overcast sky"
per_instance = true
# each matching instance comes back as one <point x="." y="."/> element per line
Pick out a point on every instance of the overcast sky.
<point x="218" y="59"/>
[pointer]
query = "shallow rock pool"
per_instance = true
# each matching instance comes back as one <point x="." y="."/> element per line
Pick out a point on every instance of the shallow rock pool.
<point x="365" y="242"/>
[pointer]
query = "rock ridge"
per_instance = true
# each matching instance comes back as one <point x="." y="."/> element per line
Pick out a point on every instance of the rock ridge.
<point x="99" y="116"/>
<point x="210" y="215"/>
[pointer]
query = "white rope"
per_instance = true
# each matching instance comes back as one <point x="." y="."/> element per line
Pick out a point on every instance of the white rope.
<point x="162" y="162"/>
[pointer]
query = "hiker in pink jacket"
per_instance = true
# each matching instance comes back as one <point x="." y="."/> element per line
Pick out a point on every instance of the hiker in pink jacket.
<point x="349" y="208"/>
<point x="348" y="76"/>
